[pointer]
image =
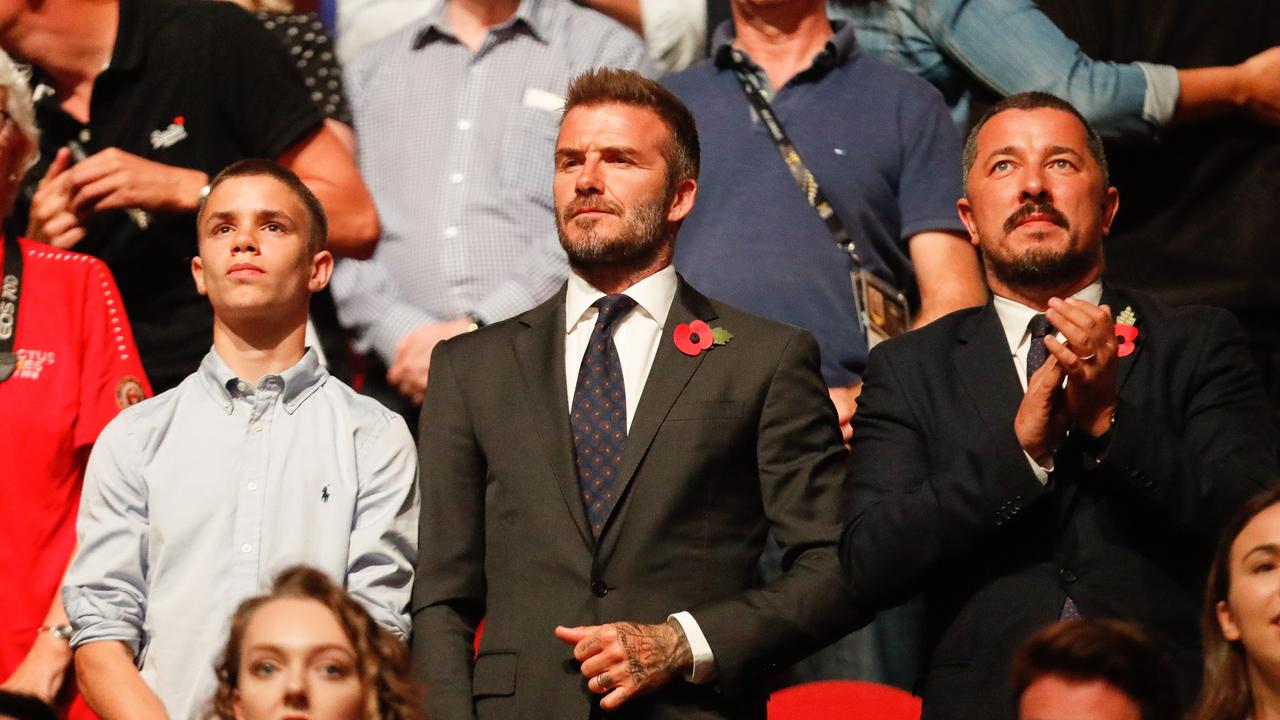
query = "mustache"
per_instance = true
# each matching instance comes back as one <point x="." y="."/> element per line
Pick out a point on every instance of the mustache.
<point x="1046" y="209"/>
<point x="589" y="202"/>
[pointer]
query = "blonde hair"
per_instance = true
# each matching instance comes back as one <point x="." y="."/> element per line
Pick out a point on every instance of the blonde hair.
<point x="19" y="105"/>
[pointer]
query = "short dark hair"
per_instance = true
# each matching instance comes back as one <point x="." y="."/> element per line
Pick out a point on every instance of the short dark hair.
<point x="602" y="86"/>
<point x="318" y="237"/>
<point x="1117" y="652"/>
<point x="1036" y="101"/>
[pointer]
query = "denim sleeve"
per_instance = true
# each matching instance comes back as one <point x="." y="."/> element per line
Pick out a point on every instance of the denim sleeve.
<point x="105" y="590"/>
<point x="1010" y="46"/>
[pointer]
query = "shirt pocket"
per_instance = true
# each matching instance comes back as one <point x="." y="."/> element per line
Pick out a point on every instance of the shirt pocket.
<point x="527" y="156"/>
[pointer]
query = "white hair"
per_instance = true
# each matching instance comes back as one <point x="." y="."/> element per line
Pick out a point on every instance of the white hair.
<point x="20" y="107"/>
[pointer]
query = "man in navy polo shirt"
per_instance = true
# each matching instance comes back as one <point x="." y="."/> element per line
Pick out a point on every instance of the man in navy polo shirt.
<point x="883" y="150"/>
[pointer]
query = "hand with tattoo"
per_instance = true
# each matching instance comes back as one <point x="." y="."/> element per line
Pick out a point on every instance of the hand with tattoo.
<point x="623" y="660"/>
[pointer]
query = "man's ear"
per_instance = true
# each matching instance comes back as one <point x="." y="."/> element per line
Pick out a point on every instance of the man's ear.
<point x="197" y="272"/>
<point x="682" y="200"/>
<point x="965" y="210"/>
<point x="1110" y="206"/>
<point x="321" y="271"/>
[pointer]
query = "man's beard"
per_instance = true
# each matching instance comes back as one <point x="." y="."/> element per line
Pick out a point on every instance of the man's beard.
<point x="635" y="246"/>
<point x="1039" y="268"/>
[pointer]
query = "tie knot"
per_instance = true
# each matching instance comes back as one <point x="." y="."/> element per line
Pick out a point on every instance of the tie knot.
<point x="612" y="308"/>
<point x="1040" y="327"/>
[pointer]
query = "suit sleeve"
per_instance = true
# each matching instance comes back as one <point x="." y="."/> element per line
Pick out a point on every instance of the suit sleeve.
<point x="449" y="590"/>
<point x="912" y="512"/>
<point x="1198" y="466"/>
<point x="801" y="463"/>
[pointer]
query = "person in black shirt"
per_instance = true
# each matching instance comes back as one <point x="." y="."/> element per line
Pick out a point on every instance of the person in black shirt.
<point x="142" y="101"/>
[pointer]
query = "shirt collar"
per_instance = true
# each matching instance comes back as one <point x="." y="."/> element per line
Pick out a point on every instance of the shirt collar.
<point x="300" y="381"/>
<point x="532" y="14"/>
<point x="653" y="296"/>
<point x="840" y="47"/>
<point x="1015" y="317"/>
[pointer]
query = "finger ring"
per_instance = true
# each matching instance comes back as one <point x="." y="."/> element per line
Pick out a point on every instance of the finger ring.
<point x="600" y="680"/>
<point x="1090" y="356"/>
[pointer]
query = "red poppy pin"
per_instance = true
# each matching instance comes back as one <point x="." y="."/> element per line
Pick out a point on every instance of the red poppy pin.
<point x="1126" y="333"/>
<point x="694" y="337"/>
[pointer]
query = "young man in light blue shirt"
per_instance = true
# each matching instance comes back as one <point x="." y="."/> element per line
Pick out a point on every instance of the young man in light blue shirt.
<point x="257" y="461"/>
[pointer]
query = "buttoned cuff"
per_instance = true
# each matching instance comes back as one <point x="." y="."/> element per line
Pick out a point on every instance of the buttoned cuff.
<point x="1161" y="96"/>
<point x="704" y="661"/>
<point x="1041" y="471"/>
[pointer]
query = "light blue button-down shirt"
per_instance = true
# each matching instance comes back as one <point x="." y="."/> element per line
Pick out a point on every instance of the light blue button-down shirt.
<point x="195" y="499"/>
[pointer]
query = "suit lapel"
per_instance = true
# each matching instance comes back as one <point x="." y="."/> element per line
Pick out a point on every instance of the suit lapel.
<point x="539" y="352"/>
<point x="670" y="373"/>
<point x="1118" y="302"/>
<point x="986" y="370"/>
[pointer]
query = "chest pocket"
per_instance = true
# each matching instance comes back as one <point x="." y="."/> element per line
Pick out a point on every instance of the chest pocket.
<point x="528" y="153"/>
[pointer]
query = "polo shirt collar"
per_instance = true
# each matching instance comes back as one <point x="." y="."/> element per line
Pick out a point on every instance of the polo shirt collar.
<point x="132" y="36"/>
<point x="532" y="14"/>
<point x="300" y="381"/>
<point x="653" y="296"/>
<point x="840" y="47"/>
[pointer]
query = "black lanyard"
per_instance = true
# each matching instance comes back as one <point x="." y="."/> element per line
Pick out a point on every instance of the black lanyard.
<point x="10" y="285"/>
<point x="805" y="179"/>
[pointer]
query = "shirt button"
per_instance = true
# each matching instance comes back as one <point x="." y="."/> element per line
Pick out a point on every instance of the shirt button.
<point x="451" y="232"/>
<point x="242" y="386"/>
<point x="251" y="487"/>
<point x="464" y="125"/>
<point x="226" y="404"/>
<point x="455" y="178"/>
<point x="246" y="548"/>
<point x="257" y="427"/>
<point x="85" y="136"/>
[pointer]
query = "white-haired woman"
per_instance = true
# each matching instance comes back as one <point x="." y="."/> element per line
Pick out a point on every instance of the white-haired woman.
<point x="67" y="366"/>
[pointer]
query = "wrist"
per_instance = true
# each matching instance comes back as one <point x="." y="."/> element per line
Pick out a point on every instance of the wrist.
<point x="683" y="650"/>
<point x="1101" y="424"/>
<point x="189" y="190"/>
<point x="52" y="645"/>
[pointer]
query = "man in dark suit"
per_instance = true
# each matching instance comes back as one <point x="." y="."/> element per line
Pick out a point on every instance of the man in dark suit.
<point x="599" y="474"/>
<point x="1069" y="449"/>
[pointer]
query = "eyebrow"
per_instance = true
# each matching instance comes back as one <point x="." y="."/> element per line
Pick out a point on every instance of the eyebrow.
<point x="1270" y="548"/>
<point x="1017" y="151"/>
<point x="608" y="149"/>
<point x="270" y="647"/>
<point x="262" y="215"/>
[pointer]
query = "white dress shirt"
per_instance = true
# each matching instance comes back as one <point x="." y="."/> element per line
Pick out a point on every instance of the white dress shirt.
<point x="636" y="337"/>
<point x="1014" y="318"/>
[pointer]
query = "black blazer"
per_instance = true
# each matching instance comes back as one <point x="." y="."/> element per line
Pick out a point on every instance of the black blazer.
<point x="723" y="447"/>
<point x="945" y="502"/>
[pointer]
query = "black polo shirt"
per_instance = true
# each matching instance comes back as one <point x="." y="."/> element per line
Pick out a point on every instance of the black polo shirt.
<point x="192" y="84"/>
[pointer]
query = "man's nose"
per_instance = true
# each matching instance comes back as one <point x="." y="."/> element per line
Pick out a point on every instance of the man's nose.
<point x="244" y="241"/>
<point x="590" y="178"/>
<point x="1033" y="186"/>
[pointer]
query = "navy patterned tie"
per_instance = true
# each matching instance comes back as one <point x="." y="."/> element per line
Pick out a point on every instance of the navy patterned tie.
<point x="1037" y="353"/>
<point x="599" y="414"/>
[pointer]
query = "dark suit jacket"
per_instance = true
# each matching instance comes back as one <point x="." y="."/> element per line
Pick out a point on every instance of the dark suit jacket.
<point x="946" y="502"/>
<point x="723" y="447"/>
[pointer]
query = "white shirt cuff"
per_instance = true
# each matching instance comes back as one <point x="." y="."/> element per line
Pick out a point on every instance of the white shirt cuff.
<point x="1041" y="471"/>
<point x="704" y="661"/>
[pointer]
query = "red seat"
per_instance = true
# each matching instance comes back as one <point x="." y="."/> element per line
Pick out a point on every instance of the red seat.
<point x="843" y="700"/>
